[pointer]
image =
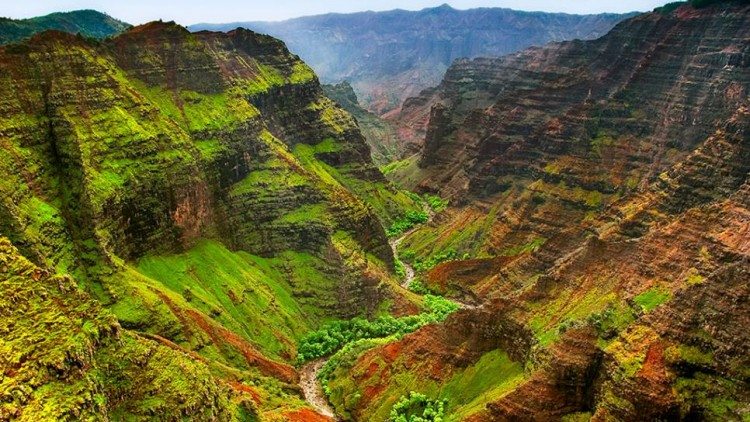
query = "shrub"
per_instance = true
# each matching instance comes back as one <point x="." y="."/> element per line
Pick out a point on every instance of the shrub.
<point x="418" y="287"/>
<point x="405" y="223"/>
<point x="447" y="255"/>
<point x="400" y="269"/>
<point x="416" y="407"/>
<point x="436" y="203"/>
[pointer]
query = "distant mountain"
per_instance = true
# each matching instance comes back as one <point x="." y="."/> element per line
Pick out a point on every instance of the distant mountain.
<point x="390" y="56"/>
<point x="86" y="22"/>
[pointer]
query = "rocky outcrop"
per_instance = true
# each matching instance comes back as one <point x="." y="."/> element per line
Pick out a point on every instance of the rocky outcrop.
<point x="381" y="136"/>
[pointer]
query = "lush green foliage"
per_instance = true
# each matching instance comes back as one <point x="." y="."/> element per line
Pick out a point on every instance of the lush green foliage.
<point x="416" y="407"/>
<point x="427" y="264"/>
<point x="652" y="298"/>
<point x="89" y="23"/>
<point x="436" y="203"/>
<point x="488" y="379"/>
<point x="405" y="223"/>
<point x="419" y="288"/>
<point x="347" y="356"/>
<point x="211" y="277"/>
<point x="400" y="269"/>
<point x="338" y="334"/>
<point x="72" y="361"/>
<point x="669" y="7"/>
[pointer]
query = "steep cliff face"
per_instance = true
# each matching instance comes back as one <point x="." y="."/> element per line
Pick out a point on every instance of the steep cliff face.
<point x="390" y="56"/>
<point x="200" y="186"/>
<point x="561" y="132"/>
<point x="600" y="189"/>
<point x="385" y="144"/>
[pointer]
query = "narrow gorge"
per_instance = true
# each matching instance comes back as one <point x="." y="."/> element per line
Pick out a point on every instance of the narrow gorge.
<point x="192" y="227"/>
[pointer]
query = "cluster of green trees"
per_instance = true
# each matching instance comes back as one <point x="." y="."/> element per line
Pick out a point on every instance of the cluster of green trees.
<point x="338" y="334"/>
<point x="421" y="265"/>
<point x="405" y="223"/>
<point x="436" y="203"/>
<point x="417" y="407"/>
<point x="419" y="288"/>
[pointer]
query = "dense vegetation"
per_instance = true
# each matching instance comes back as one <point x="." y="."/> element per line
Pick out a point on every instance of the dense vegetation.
<point x="336" y="335"/>
<point x="670" y="7"/>
<point x="704" y="3"/>
<point x="416" y="407"/>
<point x="425" y="264"/>
<point x="407" y="222"/>
<point x="419" y="288"/>
<point x="436" y="203"/>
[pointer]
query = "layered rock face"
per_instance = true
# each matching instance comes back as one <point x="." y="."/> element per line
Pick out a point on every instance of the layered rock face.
<point x="385" y="143"/>
<point x="601" y="189"/>
<point x="561" y="132"/>
<point x="390" y="56"/>
<point x="200" y="186"/>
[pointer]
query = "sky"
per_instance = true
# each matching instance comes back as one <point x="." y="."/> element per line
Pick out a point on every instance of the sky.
<point x="188" y="12"/>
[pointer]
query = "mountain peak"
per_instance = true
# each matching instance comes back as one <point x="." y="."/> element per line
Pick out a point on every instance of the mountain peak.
<point x="445" y="7"/>
<point x="155" y="27"/>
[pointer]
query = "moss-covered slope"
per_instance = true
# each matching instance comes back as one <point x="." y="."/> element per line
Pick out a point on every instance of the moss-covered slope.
<point x="66" y="358"/>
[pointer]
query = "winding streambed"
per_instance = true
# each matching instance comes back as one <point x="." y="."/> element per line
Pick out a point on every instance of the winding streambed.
<point x="313" y="391"/>
<point x="308" y="380"/>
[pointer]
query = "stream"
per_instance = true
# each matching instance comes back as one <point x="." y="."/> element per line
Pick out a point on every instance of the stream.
<point x="313" y="391"/>
<point x="308" y="381"/>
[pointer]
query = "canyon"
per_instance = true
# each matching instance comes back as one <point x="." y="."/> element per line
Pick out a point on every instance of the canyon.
<point x="193" y="227"/>
<point x="390" y="56"/>
<point x="204" y="191"/>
